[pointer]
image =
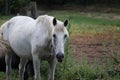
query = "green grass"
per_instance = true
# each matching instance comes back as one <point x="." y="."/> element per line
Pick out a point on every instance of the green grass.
<point x="80" y="24"/>
<point x="80" y="18"/>
<point x="4" y="18"/>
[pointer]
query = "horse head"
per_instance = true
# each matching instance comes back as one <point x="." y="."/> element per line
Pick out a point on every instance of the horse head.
<point x="59" y="36"/>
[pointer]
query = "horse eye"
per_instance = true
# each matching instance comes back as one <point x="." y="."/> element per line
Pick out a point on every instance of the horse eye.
<point x="54" y="36"/>
<point x="65" y="36"/>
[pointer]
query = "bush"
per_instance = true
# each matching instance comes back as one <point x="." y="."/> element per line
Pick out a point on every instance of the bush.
<point x="16" y="5"/>
<point x="13" y="6"/>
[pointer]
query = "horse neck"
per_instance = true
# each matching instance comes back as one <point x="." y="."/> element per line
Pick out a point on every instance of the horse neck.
<point x="46" y="26"/>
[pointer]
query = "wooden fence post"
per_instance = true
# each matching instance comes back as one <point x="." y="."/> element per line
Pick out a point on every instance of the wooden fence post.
<point x="33" y="7"/>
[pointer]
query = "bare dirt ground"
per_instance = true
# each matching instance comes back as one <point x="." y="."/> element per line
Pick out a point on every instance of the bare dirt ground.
<point x="95" y="46"/>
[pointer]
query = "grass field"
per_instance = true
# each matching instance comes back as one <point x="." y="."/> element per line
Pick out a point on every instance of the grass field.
<point x="94" y="31"/>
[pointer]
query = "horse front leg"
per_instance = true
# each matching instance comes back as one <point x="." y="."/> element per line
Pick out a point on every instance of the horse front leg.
<point x="22" y="65"/>
<point x="36" y="65"/>
<point x="52" y="66"/>
<point x="8" y="59"/>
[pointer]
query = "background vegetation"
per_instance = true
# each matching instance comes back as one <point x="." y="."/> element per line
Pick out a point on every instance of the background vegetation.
<point x="14" y="6"/>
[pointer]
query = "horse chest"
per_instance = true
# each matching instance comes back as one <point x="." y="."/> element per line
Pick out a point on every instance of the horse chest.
<point x="45" y="52"/>
<point x="48" y="57"/>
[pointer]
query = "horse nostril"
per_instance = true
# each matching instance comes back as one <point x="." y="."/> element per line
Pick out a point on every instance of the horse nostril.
<point x="59" y="57"/>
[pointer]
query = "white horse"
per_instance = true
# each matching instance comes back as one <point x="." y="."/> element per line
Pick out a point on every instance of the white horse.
<point x="40" y="39"/>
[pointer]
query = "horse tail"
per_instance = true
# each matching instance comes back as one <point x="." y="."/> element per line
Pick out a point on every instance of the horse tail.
<point x="4" y="31"/>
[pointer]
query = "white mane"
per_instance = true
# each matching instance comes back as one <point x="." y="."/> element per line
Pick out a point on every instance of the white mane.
<point x="45" y="20"/>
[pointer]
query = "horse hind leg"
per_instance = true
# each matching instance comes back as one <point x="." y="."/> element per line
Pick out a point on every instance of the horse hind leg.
<point x="8" y="58"/>
<point x="29" y="72"/>
<point x="22" y="65"/>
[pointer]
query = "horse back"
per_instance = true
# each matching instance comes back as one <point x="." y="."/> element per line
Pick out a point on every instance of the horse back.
<point x="7" y="27"/>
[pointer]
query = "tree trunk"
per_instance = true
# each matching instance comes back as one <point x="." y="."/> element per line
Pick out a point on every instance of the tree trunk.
<point x="6" y="7"/>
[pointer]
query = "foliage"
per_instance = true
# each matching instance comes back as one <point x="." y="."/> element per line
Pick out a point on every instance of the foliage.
<point x="13" y="5"/>
<point x="81" y="2"/>
<point x="114" y="60"/>
<point x="16" y="5"/>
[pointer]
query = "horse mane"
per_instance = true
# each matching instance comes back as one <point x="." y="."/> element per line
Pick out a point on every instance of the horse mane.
<point x="45" y="20"/>
<point x="48" y="21"/>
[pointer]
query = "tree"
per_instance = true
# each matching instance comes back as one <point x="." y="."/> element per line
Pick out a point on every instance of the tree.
<point x="7" y="7"/>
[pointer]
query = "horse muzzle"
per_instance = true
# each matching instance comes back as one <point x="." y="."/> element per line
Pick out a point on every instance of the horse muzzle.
<point x="60" y="57"/>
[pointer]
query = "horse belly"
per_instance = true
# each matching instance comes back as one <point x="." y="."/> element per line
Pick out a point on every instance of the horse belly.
<point x="20" y="45"/>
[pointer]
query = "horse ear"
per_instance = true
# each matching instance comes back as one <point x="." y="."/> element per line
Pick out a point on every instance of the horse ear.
<point x="54" y="21"/>
<point x="66" y="23"/>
